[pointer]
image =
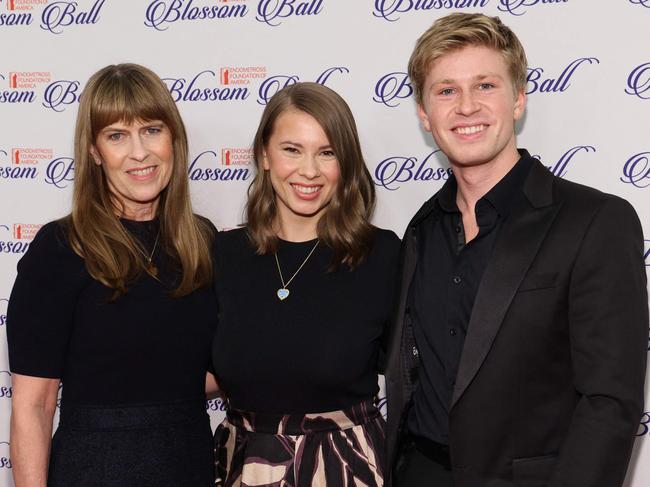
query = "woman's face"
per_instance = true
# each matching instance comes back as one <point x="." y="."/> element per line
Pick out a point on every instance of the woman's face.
<point x="302" y="165"/>
<point x="137" y="159"/>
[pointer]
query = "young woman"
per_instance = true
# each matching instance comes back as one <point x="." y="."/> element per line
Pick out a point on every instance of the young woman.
<point x="115" y="302"/>
<point x="305" y="291"/>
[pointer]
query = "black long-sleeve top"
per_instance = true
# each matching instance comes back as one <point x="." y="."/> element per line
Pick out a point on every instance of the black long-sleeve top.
<point x="318" y="349"/>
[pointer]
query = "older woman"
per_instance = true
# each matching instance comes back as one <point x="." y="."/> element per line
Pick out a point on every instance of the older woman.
<point x="114" y="302"/>
<point x="305" y="291"/>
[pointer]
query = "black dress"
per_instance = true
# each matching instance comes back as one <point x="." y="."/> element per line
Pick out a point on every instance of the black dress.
<point x="300" y="375"/>
<point x="133" y="370"/>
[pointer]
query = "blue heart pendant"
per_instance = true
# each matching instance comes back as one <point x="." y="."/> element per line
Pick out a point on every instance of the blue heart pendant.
<point x="283" y="294"/>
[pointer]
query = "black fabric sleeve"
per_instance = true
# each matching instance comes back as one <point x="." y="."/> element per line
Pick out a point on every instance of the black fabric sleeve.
<point x="213" y="254"/>
<point x="609" y="332"/>
<point x="390" y="251"/>
<point x="42" y="303"/>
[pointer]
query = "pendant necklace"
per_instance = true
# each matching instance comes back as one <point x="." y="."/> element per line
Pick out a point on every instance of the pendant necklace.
<point x="150" y="267"/>
<point x="283" y="292"/>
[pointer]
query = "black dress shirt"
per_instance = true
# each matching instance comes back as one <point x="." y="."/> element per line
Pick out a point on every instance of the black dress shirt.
<point x="442" y="293"/>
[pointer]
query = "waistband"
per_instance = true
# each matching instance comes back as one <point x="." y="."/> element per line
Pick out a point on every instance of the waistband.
<point x="302" y="424"/>
<point x="434" y="451"/>
<point x="132" y="417"/>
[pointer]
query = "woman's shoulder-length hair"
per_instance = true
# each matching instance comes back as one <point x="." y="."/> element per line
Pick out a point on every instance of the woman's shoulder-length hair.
<point x="345" y="226"/>
<point x="131" y="93"/>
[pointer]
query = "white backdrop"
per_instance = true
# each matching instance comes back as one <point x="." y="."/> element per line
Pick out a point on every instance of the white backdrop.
<point x="587" y="117"/>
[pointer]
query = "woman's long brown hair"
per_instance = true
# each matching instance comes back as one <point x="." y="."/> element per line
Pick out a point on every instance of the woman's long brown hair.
<point x="128" y="93"/>
<point x="345" y="226"/>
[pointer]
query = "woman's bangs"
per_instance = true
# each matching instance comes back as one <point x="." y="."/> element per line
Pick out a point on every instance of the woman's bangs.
<point x="124" y="100"/>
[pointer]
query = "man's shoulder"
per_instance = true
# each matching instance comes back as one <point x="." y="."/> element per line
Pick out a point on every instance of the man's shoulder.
<point x="571" y="190"/>
<point x="586" y="198"/>
<point x="573" y="196"/>
<point x="585" y="207"/>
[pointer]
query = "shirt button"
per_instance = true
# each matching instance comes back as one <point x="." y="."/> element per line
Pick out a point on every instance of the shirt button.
<point x="415" y="352"/>
<point x="458" y="229"/>
<point x="457" y="279"/>
<point x="452" y="332"/>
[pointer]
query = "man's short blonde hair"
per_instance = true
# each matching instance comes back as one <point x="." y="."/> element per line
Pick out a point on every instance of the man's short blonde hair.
<point x="458" y="30"/>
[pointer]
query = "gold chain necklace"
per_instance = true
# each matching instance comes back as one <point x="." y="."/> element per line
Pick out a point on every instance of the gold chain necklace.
<point x="150" y="267"/>
<point x="283" y="292"/>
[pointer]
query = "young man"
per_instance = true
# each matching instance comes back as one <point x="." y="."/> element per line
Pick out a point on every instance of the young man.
<point x="519" y="349"/>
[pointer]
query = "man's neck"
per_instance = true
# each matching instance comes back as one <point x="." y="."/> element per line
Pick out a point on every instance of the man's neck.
<point x="474" y="182"/>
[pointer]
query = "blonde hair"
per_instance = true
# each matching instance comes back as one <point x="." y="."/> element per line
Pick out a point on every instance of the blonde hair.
<point x="458" y="30"/>
<point x="127" y="93"/>
<point x="345" y="226"/>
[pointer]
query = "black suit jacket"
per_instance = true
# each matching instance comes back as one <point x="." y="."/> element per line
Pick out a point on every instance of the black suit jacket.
<point x="549" y="390"/>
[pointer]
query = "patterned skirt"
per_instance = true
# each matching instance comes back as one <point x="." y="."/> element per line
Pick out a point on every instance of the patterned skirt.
<point x="335" y="449"/>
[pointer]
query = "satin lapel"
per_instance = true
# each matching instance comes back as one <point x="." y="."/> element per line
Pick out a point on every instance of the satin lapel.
<point x="516" y="247"/>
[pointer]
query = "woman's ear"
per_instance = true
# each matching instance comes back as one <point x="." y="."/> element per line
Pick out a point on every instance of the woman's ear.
<point x="265" y="161"/>
<point x="95" y="155"/>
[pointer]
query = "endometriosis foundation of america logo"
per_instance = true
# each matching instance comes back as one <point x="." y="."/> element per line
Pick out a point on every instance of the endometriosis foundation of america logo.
<point x="241" y="75"/>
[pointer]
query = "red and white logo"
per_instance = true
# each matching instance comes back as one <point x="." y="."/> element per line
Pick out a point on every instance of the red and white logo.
<point x="25" y="231"/>
<point x="24" y="5"/>
<point x="236" y="156"/>
<point x="241" y="75"/>
<point x="24" y="155"/>
<point x="28" y="79"/>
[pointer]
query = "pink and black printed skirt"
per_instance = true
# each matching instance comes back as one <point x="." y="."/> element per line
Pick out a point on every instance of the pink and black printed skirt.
<point x="334" y="449"/>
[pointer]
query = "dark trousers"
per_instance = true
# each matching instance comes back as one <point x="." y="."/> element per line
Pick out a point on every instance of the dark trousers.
<point x="419" y="465"/>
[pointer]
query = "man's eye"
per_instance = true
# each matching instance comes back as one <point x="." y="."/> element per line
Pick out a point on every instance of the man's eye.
<point x="447" y="91"/>
<point x="486" y="86"/>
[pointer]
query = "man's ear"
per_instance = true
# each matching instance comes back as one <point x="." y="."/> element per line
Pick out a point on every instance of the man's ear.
<point x="520" y="104"/>
<point x="424" y="118"/>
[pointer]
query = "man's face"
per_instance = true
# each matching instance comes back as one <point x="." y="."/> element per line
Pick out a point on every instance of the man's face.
<point x="470" y="107"/>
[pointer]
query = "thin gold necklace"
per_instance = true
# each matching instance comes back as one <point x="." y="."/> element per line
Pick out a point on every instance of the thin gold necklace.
<point x="283" y="292"/>
<point x="150" y="267"/>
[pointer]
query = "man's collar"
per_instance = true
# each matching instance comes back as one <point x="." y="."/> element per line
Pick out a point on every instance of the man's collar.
<point x="523" y="175"/>
<point x="502" y="194"/>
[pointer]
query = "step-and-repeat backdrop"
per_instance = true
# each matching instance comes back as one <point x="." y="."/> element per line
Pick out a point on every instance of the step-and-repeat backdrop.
<point x="587" y="118"/>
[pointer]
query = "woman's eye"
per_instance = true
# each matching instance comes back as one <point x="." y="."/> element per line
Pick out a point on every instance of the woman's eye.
<point x="328" y="153"/>
<point x="291" y="150"/>
<point x="115" y="137"/>
<point x="153" y="130"/>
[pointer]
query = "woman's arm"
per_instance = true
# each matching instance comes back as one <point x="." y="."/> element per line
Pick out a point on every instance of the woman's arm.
<point x="33" y="404"/>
